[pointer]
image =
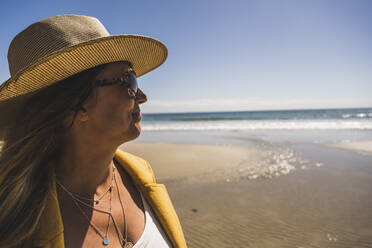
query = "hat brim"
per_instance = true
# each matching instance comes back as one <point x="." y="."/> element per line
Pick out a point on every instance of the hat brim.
<point x="143" y="52"/>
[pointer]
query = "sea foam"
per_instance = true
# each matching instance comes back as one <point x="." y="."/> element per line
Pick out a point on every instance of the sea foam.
<point x="364" y="124"/>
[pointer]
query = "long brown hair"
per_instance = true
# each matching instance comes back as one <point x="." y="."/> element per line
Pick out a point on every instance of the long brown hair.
<point x="31" y="145"/>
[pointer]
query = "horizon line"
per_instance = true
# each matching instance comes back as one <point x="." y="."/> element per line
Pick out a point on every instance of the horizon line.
<point x="263" y="110"/>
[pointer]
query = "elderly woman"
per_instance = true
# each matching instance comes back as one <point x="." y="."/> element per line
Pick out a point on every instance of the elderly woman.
<point x="72" y="99"/>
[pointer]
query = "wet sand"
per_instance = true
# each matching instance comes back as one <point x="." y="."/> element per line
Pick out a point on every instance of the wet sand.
<point x="233" y="196"/>
<point x="362" y="147"/>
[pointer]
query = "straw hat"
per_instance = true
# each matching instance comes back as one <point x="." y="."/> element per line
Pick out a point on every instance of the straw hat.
<point x="58" y="47"/>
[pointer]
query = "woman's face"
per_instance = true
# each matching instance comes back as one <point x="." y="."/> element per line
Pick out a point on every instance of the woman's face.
<point x="111" y="111"/>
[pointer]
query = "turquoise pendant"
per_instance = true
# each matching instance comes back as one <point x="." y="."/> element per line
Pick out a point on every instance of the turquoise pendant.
<point x="105" y="241"/>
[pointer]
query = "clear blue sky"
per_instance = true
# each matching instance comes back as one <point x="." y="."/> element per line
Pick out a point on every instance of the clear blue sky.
<point x="234" y="55"/>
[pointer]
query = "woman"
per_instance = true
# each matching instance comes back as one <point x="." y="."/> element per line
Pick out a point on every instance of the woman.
<point x="72" y="99"/>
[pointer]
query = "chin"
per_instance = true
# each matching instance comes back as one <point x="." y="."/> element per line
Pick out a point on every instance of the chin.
<point x="133" y="133"/>
<point x="137" y="128"/>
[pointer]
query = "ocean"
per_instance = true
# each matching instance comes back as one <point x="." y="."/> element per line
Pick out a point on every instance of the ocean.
<point x="321" y="119"/>
<point x="322" y="126"/>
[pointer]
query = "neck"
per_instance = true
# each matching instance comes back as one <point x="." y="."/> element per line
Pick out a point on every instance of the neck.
<point x="86" y="166"/>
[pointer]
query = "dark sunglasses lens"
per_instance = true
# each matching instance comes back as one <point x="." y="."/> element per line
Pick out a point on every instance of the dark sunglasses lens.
<point x="133" y="82"/>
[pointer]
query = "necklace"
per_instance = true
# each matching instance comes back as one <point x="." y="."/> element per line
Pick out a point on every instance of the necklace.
<point x="79" y="199"/>
<point x="91" y="199"/>
<point x="125" y="242"/>
<point x="105" y="239"/>
<point x="75" y="197"/>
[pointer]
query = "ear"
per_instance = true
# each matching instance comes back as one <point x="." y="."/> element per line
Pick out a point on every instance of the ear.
<point x="82" y="115"/>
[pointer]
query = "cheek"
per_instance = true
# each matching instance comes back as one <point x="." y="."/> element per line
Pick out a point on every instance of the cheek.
<point x="114" y="110"/>
<point x="120" y="113"/>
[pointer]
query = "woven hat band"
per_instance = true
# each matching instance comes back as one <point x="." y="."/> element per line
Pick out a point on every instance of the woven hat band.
<point x="47" y="36"/>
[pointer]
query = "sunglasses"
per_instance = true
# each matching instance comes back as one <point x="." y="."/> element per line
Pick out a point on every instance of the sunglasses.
<point x="128" y="80"/>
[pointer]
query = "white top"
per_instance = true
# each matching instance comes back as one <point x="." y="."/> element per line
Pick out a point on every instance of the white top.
<point x="153" y="235"/>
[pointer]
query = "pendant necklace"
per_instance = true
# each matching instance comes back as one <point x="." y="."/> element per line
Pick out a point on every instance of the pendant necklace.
<point x="91" y="199"/>
<point x="105" y="239"/>
<point x="124" y="240"/>
<point x="80" y="199"/>
<point x="75" y="197"/>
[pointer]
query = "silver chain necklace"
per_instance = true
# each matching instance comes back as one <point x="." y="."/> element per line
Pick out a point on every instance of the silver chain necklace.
<point x="125" y="243"/>
<point x="105" y="240"/>
<point x="98" y="200"/>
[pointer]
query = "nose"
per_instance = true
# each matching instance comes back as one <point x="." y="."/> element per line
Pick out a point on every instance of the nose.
<point x="140" y="97"/>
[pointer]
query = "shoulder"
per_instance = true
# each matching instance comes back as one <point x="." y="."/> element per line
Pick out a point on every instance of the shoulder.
<point x="139" y="169"/>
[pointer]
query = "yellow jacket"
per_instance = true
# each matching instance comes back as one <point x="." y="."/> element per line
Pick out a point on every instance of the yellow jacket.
<point x="50" y="232"/>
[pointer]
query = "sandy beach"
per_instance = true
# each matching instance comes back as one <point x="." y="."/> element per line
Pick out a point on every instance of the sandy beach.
<point x="241" y="196"/>
<point x="362" y="147"/>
